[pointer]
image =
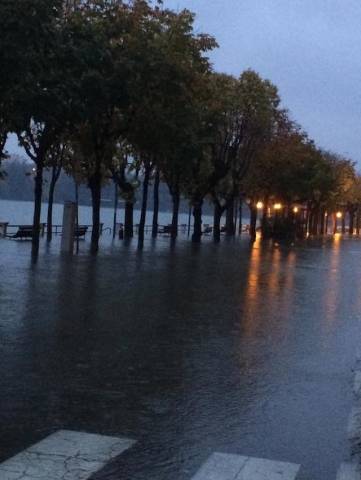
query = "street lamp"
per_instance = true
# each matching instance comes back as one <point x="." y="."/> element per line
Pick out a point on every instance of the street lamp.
<point x="296" y="209"/>
<point x="259" y="205"/>
<point x="277" y="206"/>
<point x="339" y="214"/>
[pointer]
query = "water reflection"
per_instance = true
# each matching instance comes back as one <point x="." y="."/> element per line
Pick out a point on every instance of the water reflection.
<point x="269" y="284"/>
<point x="189" y="351"/>
<point x="333" y="288"/>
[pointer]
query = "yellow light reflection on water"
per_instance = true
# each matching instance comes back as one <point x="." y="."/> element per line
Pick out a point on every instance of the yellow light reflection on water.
<point x="332" y="284"/>
<point x="269" y="288"/>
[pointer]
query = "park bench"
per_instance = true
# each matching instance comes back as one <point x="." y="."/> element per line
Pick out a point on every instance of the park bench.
<point x="24" y="232"/>
<point x="165" y="229"/>
<point x="80" y="231"/>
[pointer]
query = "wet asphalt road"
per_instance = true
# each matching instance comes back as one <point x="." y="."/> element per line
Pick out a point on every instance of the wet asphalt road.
<point x="190" y="350"/>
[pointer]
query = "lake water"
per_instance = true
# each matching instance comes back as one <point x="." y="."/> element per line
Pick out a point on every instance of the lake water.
<point x="236" y="348"/>
<point x="18" y="213"/>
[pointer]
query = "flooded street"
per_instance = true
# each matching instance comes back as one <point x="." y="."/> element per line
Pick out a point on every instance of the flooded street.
<point x="188" y="350"/>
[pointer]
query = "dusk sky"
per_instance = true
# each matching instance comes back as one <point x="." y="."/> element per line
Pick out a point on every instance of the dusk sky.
<point x="310" y="49"/>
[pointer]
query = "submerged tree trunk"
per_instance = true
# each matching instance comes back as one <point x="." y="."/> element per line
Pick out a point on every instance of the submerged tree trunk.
<point x="327" y="223"/>
<point x="95" y="185"/>
<point x="351" y="227"/>
<point x="115" y="208"/>
<point x="334" y="217"/>
<point x="128" y="219"/>
<point x="49" y="223"/>
<point x="143" y="213"/>
<point x="197" y="214"/>
<point x="230" y="227"/>
<point x="358" y="222"/>
<point x="156" y="204"/>
<point x="343" y="223"/>
<point x="264" y="222"/>
<point x="217" y="222"/>
<point x="77" y="214"/>
<point x="175" y="214"/>
<point x="240" y="226"/>
<point x="38" y="192"/>
<point x="314" y="223"/>
<point x="253" y="222"/>
<point x="235" y="213"/>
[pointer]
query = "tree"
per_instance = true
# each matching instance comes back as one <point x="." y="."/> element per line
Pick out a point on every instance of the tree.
<point x="236" y="124"/>
<point x="56" y="158"/>
<point x="172" y="66"/>
<point x="36" y="89"/>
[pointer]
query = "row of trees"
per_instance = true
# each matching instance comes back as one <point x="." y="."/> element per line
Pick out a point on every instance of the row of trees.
<point x="123" y="91"/>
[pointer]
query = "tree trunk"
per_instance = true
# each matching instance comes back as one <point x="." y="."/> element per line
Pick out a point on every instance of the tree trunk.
<point x="128" y="220"/>
<point x="143" y="213"/>
<point x="235" y="214"/>
<point x="77" y="214"/>
<point x="49" y="232"/>
<point x="197" y="214"/>
<point x="253" y="222"/>
<point x="358" y="222"/>
<point x="217" y="222"/>
<point x="189" y="220"/>
<point x="175" y="215"/>
<point x="230" y="228"/>
<point x="95" y="185"/>
<point x="264" y="222"/>
<point x="308" y="220"/>
<point x="156" y="204"/>
<point x="343" y="223"/>
<point x="314" y="225"/>
<point x="351" y="222"/>
<point x="322" y="222"/>
<point x="38" y="191"/>
<point x="334" y="223"/>
<point x="327" y="223"/>
<point x="240" y="226"/>
<point x="115" y="209"/>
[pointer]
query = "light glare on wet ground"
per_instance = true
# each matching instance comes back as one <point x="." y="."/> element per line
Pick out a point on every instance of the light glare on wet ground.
<point x="191" y="350"/>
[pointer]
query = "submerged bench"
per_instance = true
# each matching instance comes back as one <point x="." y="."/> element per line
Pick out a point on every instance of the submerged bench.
<point x="26" y="231"/>
<point x="80" y="231"/>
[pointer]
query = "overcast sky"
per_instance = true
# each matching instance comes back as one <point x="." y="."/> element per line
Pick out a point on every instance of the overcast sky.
<point x="311" y="49"/>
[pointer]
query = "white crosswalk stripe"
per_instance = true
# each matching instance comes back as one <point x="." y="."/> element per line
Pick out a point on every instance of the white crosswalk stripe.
<point x="65" y="455"/>
<point x="221" y="466"/>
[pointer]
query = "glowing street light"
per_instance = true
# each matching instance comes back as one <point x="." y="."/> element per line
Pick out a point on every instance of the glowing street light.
<point x="259" y="205"/>
<point x="277" y="206"/>
<point x="296" y="209"/>
<point x="339" y="214"/>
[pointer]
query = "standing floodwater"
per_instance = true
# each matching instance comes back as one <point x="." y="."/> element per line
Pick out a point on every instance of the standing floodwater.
<point x="189" y="350"/>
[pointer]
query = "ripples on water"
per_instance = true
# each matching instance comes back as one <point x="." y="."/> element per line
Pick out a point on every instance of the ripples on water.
<point x="232" y="348"/>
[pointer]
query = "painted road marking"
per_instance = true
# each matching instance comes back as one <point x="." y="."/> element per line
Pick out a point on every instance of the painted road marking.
<point x="348" y="471"/>
<point x="65" y="455"/>
<point x="220" y="466"/>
